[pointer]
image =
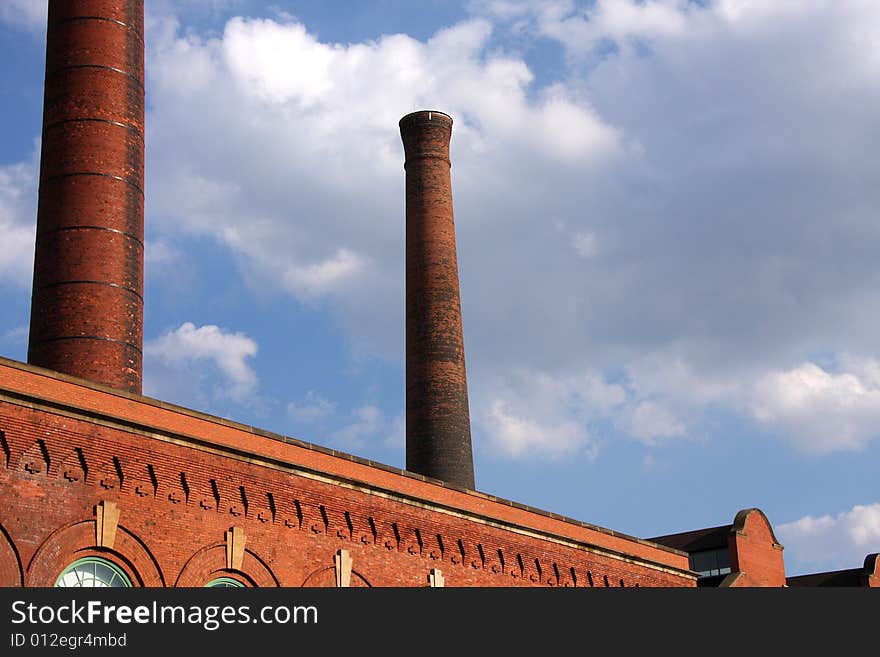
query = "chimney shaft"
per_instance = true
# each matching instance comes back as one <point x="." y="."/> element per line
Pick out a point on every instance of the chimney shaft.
<point x="438" y="435"/>
<point x="87" y="298"/>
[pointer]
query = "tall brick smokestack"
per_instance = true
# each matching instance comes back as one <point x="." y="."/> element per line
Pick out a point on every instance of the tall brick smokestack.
<point x="87" y="299"/>
<point x="438" y="434"/>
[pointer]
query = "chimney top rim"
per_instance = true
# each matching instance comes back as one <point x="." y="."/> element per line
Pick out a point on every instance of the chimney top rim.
<point x="429" y="114"/>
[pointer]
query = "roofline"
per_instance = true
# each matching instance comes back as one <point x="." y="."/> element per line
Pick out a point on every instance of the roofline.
<point x="691" y="531"/>
<point x="739" y="523"/>
<point x="25" y="392"/>
<point x="871" y="562"/>
<point x="827" y="573"/>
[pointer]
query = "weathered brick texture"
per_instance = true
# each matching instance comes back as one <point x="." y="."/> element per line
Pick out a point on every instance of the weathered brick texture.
<point x="87" y="300"/>
<point x="182" y="481"/>
<point x="438" y="430"/>
<point x="755" y="554"/>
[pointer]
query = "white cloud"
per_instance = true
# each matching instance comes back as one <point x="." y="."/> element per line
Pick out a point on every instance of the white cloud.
<point x="534" y="414"/>
<point x="715" y="159"/>
<point x="313" y="205"/>
<point x="17" y="335"/>
<point x="583" y="29"/>
<point x="746" y="11"/>
<point x="528" y="413"/>
<point x="821" y="411"/>
<point x="586" y="245"/>
<point x="318" y="278"/>
<point x="818" y="410"/>
<point x="188" y="348"/>
<point x="258" y="54"/>
<point x="370" y="427"/>
<point x="619" y="20"/>
<point x="683" y="381"/>
<point x="160" y="254"/>
<point x="30" y="14"/>
<point x="650" y="421"/>
<point x="518" y="435"/>
<point x="312" y="408"/>
<point x="367" y="422"/>
<point x="396" y="438"/>
<point x="18" y="217"/>
<point x="831" y="542"/>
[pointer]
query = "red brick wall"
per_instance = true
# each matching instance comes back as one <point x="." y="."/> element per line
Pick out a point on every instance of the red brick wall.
<point x="755" y="552"/>
<point x="179" y="494"/>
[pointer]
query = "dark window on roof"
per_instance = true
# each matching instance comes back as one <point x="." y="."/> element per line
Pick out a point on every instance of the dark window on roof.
<point x="710" y="562"/>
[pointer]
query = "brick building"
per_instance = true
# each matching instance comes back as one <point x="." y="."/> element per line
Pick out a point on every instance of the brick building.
<point x="172" y="497"/>
<point x="743" y="553"/>
<point x="103" y="486"/>
<point x="866" y="576"/>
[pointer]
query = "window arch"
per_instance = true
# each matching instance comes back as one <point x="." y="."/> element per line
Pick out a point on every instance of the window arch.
<point x="224" y="583"/>
<point x="93" y="572"/>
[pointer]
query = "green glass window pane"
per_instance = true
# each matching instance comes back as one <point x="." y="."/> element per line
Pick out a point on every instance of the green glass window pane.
<point x="224" y="583"/>
<point x="93" y="572"/>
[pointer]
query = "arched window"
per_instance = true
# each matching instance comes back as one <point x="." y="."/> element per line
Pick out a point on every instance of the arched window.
<point x="224" y="583"/>
<point x="93" y="572"/>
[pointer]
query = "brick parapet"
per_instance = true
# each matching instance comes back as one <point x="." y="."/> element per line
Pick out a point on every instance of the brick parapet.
<point x="175" y="473"/>
<point x="756" y="555"/>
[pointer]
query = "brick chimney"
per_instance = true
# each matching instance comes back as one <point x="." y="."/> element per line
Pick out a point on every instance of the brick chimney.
<point x="87" y="298"/>
<point x="438" y="435"/>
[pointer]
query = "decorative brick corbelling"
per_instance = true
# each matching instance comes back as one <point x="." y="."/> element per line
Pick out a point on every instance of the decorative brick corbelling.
<point x="321" y="519"/>
<point x="380" y="526"/>
<point x="152" y="418"/>
<point x="466" y="554"/>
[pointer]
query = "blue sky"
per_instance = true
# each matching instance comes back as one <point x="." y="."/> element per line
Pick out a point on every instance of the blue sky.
<point x="666" y="215"/>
